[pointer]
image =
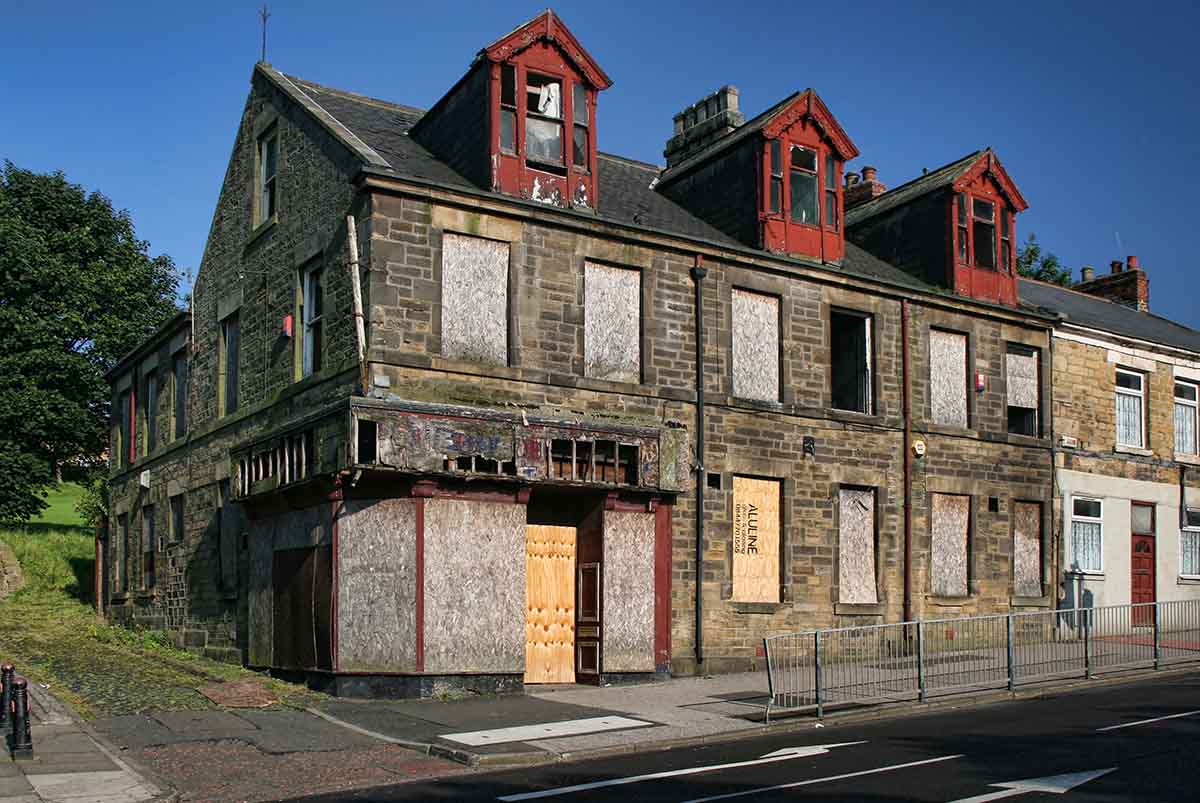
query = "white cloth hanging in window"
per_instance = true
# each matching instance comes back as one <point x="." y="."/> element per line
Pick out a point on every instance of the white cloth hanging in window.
<point x="549" y="101"/>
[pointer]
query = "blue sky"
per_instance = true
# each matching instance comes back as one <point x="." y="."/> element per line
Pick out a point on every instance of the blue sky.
<point x="1093" y="108"/>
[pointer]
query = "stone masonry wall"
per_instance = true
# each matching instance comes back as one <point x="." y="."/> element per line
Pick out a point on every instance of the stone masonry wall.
<point x="545" y="372"/>
<point x="253" y="271"/>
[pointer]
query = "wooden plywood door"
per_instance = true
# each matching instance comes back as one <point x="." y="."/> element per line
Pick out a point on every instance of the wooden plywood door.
<point x="549" y="604"/>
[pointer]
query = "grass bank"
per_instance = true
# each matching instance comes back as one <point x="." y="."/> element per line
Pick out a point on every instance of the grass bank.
<point x="50" y="632"/>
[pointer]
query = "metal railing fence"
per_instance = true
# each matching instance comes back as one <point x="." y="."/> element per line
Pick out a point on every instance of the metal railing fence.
<point x="920" y="659"/>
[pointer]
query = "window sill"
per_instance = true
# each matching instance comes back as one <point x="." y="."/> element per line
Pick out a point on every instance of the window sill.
<point x="1029" y="602"/>
<point x="121" y="598"/>
<point x="932" y="428"/>
<point x="1026" y="440"/>
<point x="949" y="602"/>
<point x="1188" y="581"/>
<point x="757" y="607"/>
<point x="854" y="416"/>
<point x="261" y="229"/>
<point x="858" y="609"/>
<point x="1189" y="459"/>
<point x="1122" y="449"/>
<point x="757" y="404"/>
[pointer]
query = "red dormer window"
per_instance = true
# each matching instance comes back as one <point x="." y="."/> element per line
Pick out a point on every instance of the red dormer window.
<point x="544" y="88"/>
<point x="983" y="214"/>
<point x="803" y="155"/>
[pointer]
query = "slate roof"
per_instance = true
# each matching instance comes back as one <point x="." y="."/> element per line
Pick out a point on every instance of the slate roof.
<point x="1087" y="310"/>
<point x="898" y="196"/>
<point x="626" y="195"/>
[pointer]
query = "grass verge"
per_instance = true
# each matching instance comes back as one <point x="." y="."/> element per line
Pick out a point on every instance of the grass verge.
<point x="50" y="632"/>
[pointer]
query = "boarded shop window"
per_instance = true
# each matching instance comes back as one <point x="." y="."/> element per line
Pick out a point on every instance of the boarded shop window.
<point x="756" y="533"/>
<point x="850" y="360"/>
<point x="948" y="378"/>
<point x="856" y="546"/>
<point x="1186" y="410"/>
<point x="149" y="547"/>
<point x="612" y="323"/>
<point x="1022" y="375"/>
<point x="950" y="524"/>
<point x="179" y="394"/>
<point x="1189" y="545"/>
<point x="1131" y="409"/>
<point x="755" y="346"/>
<point x="1027" y="549"/>
<point x="302" y="579"/>
<point x="228" y="365"/>
<point x="474" y="299"/>
<point x="1087" y="535"/>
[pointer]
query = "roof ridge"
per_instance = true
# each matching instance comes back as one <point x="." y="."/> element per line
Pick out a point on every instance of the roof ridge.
<point x="630" y="160"/>
<point x="973" y="155"/>
<point x="355" y="96"/>
<point x="1101" y="299"/>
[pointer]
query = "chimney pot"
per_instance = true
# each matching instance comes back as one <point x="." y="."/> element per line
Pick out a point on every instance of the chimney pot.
<point x="1132" y="262"/>
<point x="852" y="179"/>
<point x="1117" y="266"/>
<point x="1087" y="272"/>
<point x="868" y="174"/>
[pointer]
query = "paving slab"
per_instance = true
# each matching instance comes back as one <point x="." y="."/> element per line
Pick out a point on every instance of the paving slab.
<point x="45" y="763"/>
<point x="216" y="723"/>
<point x="135" y="731"/>
<point x="281" y="732"/>
<point x="118" y="786"/>
<point x="13" y="785"/>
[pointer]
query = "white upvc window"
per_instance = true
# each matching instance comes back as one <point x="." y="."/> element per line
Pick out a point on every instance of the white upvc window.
<point x="1187" y="413"/>
<point x="1087" y="535"/>
<point x="1189" y="545"/>
<point x="1131" y="409"/>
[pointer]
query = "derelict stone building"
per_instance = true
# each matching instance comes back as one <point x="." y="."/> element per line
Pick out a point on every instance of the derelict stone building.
<point x="463" y="401"/>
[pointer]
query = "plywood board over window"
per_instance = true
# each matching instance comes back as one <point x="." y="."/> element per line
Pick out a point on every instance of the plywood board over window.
<point x="948" y="378"/>
<point x="1027" y="549"/>
<point x="950" y="522"/>
<point x="755" y="346"/>
<point x="756" y="534"/>
<point x="856" y="546"/>
<point x="474" y="299"/>
<point x="611" y="322"/>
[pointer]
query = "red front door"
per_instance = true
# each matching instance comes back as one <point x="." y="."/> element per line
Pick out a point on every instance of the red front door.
<point x="1142" y="563"/>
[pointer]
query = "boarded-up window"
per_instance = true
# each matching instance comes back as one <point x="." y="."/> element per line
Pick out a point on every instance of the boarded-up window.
<point x="1027" y="549"/>
<point x="948" y="378"/>
<point x="612" y="323"/>
<point x="950" y="522"/>
<point x="1022" y="377"/>
<point x="474" y="299"/>
<point x="755" y="540"/>
<point x="755" y="346"/>
<point x="856" y="545"/>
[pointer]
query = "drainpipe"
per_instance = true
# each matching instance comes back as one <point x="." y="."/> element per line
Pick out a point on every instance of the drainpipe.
<point x="698" y="274"/>
<point x="356" y="291"/>
<point x="907" y="412"/>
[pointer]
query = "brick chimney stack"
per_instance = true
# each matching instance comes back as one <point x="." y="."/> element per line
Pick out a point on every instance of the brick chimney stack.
<point x="1127" y="284"/>
<point x="703" y="123"/>
<point x="1087" y="273"/>
<point x="859" y="191"/>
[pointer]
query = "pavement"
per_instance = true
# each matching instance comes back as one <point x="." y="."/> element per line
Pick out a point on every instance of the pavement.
<point x="68" y="764"/>
<point x="1131" y="740"/>
<point x="340" y="746"/>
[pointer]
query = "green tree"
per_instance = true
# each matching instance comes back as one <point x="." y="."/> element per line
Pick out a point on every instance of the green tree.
<point x="77" y="291"/>
<point x="1032" y="263"/>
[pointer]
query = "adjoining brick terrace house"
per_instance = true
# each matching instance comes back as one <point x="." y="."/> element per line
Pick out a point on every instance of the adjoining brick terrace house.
<point x="1127" y="462"/>
<point x="505" y="469"/>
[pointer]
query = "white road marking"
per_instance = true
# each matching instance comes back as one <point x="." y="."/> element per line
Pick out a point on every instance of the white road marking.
<point x="827" y="779"/>
<point x="779" y="755"/>
<point x="1051" y="784"/>
<point x="1146" y="721"/>
<point x="545" y="730"/>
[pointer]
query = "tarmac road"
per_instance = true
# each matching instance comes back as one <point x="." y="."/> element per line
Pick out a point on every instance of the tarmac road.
<point x="959" y="755"/>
